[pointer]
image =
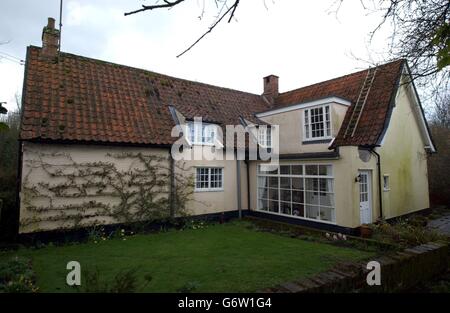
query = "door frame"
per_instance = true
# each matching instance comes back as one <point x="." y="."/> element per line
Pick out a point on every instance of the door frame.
<point x="369" y="193"/>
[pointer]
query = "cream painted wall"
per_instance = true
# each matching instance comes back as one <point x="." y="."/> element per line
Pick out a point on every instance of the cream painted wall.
<point x="205" y="202"/>
<point x="291" y="129"/>
<point x="56" y="156"/>
<point x="404" y="159"/>
<point x="201" y="203"/>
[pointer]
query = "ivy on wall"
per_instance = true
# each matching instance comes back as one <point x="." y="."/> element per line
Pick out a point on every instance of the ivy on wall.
<point x="73" y="194"/>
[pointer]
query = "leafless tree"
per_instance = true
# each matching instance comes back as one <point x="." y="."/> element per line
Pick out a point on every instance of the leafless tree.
<point x="441" y="114"/>
<point x="420" y="34"/>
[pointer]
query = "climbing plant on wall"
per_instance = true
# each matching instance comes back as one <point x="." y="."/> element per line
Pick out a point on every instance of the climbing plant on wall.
<point x="122" y="188"/>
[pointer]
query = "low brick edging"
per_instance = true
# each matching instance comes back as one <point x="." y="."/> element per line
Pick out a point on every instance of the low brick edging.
<point x="399" y="271"/>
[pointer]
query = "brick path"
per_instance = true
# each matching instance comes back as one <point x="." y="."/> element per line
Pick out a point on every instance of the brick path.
<point x="441" y="224"/>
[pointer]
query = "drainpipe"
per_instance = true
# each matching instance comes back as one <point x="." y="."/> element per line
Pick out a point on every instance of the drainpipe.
<point x="172" y="185"/>
<point x="238" y="184"/>
<point x="380" y="192"/>
<point x="247" y="163"/>
<point x="16" y="214"/>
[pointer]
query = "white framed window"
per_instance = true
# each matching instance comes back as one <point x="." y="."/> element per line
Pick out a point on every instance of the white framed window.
<point x="386" y="185"/>
<point x="317" y="123"/>
<point x="201" y="133"/>
<point x="265" y="136"/>
<point x="297" y="190"/>
<point x="209" y="179"/>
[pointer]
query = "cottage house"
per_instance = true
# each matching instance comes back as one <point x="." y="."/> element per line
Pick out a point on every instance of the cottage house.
<point x="350" y="150"/>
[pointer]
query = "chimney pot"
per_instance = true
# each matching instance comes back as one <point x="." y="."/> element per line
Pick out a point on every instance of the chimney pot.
<point x="270" y="87"/>
<point x="51" y="23"/>
<point x="50" y="41"/>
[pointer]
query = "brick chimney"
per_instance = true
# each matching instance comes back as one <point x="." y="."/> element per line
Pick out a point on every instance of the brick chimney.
<point x="270" y="87"/>
<point x="50" y="40"/>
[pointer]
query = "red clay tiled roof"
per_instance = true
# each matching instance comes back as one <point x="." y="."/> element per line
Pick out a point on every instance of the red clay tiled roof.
<point x="371" y="123"/>
<point x="82" y="99"/>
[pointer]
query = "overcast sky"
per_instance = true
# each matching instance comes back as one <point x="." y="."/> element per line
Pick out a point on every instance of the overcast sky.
<point x="300" y="41"/>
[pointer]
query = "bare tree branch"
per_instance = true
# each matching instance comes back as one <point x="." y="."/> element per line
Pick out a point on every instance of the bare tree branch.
<point x="221" y="5"/>
<point x="166" y="4"/>
<point x="231" y="9"/>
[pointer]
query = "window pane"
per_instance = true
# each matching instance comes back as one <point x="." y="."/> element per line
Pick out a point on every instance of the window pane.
<point x="326" y="184"/>
<point x="216" y="178"/>
<point x="191" y="132"/>
<point x="263" y="205"/>
<point x="311" y="169"/>
<point x="263" y="181"/>
<point x="312" y="212"/>
<point x="298" y="210"/>
<point x="386" y="182"/>
<point x="263" y="193"/>
<point x="297" y="183"/>
<point x="285" y="182"/>
<point x="326" y="214"/>
<point x="325" y="170"/>
<point x="297" y="169"/>
<point x="285" y="169"/>
<point x="285" y="195"/>
<point x="285" y="207"/>
<point x="273" y="182"/>
<point x="273" y="206"/>
<point x="311" y="198"/>
<point x="327" y="199"/>
<point x="202" y="178"/>
<point x="298" y="196"/>
<point x="273" y="194"/>
<point x="317" y="122"/>
<point x="312" y="184"/>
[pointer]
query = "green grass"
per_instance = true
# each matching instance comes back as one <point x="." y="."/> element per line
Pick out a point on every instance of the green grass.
<point x="230" y="257"/>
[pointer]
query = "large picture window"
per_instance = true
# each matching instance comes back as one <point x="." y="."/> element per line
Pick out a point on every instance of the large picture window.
<point x="209" y="179"/>
<point x="298" y="190"/>
<point x="317" y="123"/>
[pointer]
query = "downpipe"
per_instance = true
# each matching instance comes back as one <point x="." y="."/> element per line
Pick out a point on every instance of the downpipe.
<point x="380" y="191"/>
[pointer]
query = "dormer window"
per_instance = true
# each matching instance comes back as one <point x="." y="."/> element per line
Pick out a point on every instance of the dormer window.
<point x="201" y="133"/>
<point x="317" y="123"/>
<point x="265" y="136"/>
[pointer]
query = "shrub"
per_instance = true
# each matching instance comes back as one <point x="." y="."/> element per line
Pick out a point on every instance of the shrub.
<point x="126" y="281"/>
<point x="16" y="275"/>
<point x="408" y="232"/>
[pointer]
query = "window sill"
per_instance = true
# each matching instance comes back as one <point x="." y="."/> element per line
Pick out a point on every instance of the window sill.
<point x="316" y="141"/>
<point x="202" y="144"/>
<point x="208" y="190"/>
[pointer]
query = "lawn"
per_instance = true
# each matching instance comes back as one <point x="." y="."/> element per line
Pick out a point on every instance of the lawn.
<point x="230" y="257"/>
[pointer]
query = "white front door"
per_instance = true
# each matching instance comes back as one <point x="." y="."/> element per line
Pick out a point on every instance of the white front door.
<point x="365" y="197"/>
